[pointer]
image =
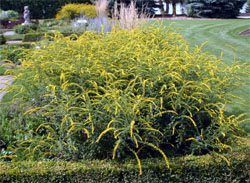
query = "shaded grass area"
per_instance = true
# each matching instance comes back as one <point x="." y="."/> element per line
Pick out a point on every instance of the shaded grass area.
<point x="223" y="39"/>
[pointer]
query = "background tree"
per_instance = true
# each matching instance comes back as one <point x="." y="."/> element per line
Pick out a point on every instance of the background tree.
<point x="174" y="6"/>
<point x="161" y="8"/>
<point x="167" y="5"/>
<point x="215" y="9"/>
<point x="248" y="6"/>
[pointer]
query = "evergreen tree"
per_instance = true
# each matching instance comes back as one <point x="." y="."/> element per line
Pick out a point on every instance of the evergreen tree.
<point x="215" y="8"/>
<point x="248" y="7"/>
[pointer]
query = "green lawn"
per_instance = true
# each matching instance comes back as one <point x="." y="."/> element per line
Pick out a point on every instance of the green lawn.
<point x="222" y="36"/>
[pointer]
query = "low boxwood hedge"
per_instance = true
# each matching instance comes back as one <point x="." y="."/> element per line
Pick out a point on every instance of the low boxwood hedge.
<point x="203" y="169"/>
<point x="25" y="45"/>
<point x="33" y="37"/>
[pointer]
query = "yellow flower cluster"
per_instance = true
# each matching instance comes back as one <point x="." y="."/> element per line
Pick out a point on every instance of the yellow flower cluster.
<point x="72" y="10"/>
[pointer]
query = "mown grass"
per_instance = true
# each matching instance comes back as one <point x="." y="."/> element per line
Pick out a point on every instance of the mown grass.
<point x="223" y="36"/>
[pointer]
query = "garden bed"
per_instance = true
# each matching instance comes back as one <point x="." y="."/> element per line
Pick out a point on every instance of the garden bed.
<point x="245" y="33"/>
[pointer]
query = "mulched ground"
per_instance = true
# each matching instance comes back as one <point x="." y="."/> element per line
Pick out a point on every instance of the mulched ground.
<point x="245" y="33"/>
<point x="10" y="24"/>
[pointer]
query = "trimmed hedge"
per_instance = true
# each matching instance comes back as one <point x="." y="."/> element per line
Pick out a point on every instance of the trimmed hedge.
<point x="24" y="29"/>
<point x="2" y="39"/>
<point x="25" y="45"/>
<point x="33" y="37"/>
<point x="203" y="169"/>
<point x="38" y="8"/>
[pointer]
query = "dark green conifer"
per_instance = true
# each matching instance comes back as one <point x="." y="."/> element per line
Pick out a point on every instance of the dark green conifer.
<point x="215" y="8"/>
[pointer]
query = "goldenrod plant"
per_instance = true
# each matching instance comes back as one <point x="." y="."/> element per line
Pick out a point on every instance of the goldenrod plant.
<point x="137" y="93"/>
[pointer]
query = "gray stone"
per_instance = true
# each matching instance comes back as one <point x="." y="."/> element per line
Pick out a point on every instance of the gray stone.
<point x="4" y="81"/>
<point x="9" y="33"/>
<point x="13" y="41"/>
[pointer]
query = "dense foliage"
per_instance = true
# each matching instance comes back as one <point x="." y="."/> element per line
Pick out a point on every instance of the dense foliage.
<point x="13" y="52"/>
<point x="38" y="8"/>
<point x="7" y="15"/>
<point x="248" y="6"/>
<point x="191" y="169"/>
<point x="2" y="39"/>
<point x="140" y="92"/>
<point x="24" y="29"/>
<point x="214" y="9"/>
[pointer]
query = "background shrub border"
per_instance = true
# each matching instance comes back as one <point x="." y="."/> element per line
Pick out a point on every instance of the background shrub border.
<point x="38" y="8"/>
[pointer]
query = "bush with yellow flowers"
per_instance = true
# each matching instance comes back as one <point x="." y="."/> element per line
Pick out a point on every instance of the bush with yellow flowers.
<point x="128" y="93"/>
<point x="73" y="10"/>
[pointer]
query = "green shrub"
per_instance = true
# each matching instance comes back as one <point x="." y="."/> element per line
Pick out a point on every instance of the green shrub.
<point x="140" y="92"/>
<point x="3" y="68"/>
<point x="38" y="36"/>
<point x="8" y="127"/>
<point x="71" y="11"/>
<point x="13" y="52"/>
<point x="33" y="37"/>
<point x="2" y="39"/>
<point x="25" y="45"/>
<point x="24" y="29"/>
<point x="191" y="169"/>
<point x="50" y="22"/>
<point x="10" y="14"/>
